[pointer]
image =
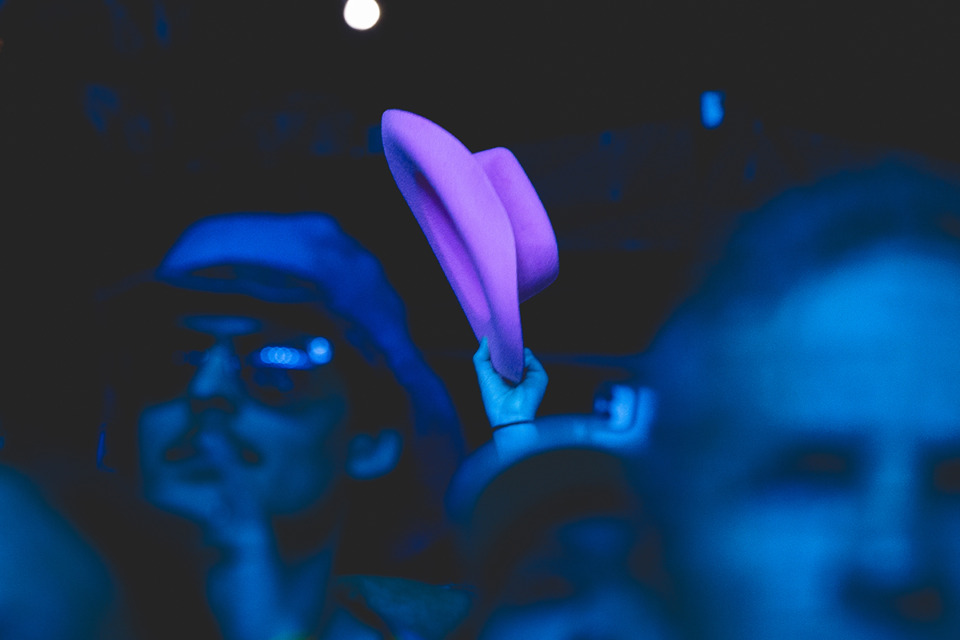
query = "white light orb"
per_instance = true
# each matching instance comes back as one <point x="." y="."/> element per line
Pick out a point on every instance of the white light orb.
<point x="361" y="14"/>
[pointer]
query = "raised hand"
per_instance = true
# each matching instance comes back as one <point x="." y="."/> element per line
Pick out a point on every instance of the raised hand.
<point x="505" y="402"/>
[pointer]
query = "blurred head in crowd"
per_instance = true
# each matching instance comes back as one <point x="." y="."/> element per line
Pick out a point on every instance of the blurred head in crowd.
<point x="266" y="364"/>
<point x="52" y="585"/>
<point x="558" y="544"/>
<point x="807" y="444"/>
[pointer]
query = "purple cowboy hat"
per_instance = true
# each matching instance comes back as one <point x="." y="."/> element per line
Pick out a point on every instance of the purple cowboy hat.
<point x="485" y="223"/>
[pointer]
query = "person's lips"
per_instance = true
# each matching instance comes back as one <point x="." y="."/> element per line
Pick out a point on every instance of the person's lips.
<point x="198" y="469"/>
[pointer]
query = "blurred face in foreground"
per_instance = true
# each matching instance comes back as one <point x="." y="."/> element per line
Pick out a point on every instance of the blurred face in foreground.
<point x="577" y="585"/>
<point x="814" y="459"/>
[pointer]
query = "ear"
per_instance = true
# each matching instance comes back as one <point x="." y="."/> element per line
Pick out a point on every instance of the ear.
<point x="371" y="456"/>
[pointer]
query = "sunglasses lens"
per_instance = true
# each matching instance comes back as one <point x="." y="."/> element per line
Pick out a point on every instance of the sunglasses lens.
<point x="280" y="375"/>
<point x="162" y="369"/>
<point x="277" y="387"/>
<point x="277" y="374"/>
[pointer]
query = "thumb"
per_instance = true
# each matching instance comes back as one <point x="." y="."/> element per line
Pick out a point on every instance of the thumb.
<point x="483" y="364"/>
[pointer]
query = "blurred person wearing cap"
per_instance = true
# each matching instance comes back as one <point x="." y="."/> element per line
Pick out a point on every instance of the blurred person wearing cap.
<point x="806" y="447"/>
<point x="264" y="381"/>
<point x="554" y="534"/>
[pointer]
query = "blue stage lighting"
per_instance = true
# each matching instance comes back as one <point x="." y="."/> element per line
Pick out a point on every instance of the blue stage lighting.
<point x="711" y="109"/>
<point x="161" y="24"/>
<point x="284" y="358"/>
<point x="320" y="351"/>
<point x="101" y="448"/>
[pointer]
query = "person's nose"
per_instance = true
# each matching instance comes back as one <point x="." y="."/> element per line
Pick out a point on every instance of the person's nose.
<point x="216" y="383"/>
<point x="894" y="572"/>
<point x="213" y="395"/>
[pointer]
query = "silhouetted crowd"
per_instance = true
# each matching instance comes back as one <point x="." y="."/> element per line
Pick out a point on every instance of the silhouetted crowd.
<point x="279" y="460"/>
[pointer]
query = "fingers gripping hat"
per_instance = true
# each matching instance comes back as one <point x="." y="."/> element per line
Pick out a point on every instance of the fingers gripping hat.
<point x="485" y="223"/>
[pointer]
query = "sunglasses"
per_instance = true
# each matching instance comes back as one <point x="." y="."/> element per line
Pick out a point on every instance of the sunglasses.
<point x="275" y="371"/>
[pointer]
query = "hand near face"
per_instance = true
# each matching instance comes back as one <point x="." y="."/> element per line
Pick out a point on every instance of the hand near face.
<point x="237" y="445"/>
<point x="505" y="402"/>
<point x="235" y="519"/>
<point x="253" y="593"/>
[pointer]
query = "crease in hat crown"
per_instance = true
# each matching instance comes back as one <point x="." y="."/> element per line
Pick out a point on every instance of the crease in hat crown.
<point x="485" y="223"/>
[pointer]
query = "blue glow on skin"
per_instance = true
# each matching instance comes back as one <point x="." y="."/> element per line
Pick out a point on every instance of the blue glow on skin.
<point x="53" y="584"/>
<point x="711" y="109"/>
<point x="216" y="443"/>
<point x="820" y="500"/>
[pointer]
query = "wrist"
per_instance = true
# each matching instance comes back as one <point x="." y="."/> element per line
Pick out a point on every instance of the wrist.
<point x="512" y="423"/>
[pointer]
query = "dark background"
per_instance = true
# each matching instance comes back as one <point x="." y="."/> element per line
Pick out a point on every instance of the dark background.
<point x="123" y="121"/>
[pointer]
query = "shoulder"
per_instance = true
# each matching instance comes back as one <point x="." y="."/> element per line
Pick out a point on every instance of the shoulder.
<point x="54" y="583"/>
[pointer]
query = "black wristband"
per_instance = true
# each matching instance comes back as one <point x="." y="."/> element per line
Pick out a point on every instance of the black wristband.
<point x="510" y="424"/>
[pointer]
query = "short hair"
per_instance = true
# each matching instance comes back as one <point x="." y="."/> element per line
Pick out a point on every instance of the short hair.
<point x="806" y="231"/>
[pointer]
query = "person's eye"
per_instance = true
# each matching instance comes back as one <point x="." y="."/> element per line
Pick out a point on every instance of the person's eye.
<point x="946" y="476"/>
<point x="814" y="469"/>
<point x="273" y="378"/>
